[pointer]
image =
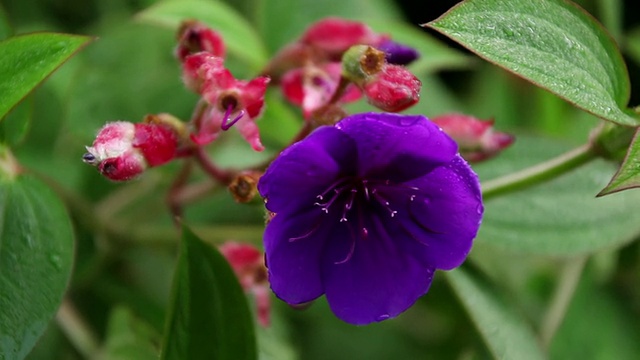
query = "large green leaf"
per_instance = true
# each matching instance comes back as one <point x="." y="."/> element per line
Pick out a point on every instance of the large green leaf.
<point x="552" y="43"/>
<point x="27" y="60"/>
<point x="36" y="256"/>
<point x="504" y="331"/>
<point x="209" y="317"/>
<point x="559" y="217"/>
<point x="239" y="36"/>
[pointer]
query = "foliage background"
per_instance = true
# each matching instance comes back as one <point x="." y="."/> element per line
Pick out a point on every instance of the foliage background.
<point x="126" y="244"/>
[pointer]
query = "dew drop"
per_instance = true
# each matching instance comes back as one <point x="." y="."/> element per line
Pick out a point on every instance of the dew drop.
<point x="409" y="120"/>
<point x="56" y="261"/>
<point x="383" y="317"/>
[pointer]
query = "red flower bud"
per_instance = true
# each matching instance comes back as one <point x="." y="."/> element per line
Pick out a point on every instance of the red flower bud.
<point x="335" y="35"/>
<point x="393" y="89"/>
<point x="194" y="37"/>
<point x="198" y="68"/>
<point x="123" y="150"/>
<point x="476" y="138"/>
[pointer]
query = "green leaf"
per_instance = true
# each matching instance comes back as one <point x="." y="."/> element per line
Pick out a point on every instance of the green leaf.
<point x="628" y="175"/>
<point x="239" y="36"/>
<point x="128" y="338"/>
<point x="503" y="329"/>
<point x="36" y="256"/>
<point x="209" y="317"/>
<point x="561" y="216"/>
<point x="552" y="43"/>
<point x="26" y="60"/>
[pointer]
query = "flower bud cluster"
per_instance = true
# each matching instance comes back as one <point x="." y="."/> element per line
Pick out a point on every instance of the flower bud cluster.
<point x="226" y="100"/>
<point x="311" y="70"/>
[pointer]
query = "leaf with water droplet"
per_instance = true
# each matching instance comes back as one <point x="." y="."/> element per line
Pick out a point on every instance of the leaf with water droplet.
<point x="36" y="256"/>
<point x="552" y="43"/>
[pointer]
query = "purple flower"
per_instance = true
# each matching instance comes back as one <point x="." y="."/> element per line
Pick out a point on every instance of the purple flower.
<point x="366" y="211"/>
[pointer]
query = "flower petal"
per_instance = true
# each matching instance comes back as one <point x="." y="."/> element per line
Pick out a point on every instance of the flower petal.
<point x="293" y="248"/>
<point x="441" y="226"/>
<point x="306" y="169"/>
<point x="397" y="147"/>
<point x="374" y="281"/>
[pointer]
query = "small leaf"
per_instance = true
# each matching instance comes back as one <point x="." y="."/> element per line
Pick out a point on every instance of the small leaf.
<point x="628" y="175"/>
<point x="128" y="338"/>
<point x="209" y="317"/>
<point x="504" y="331"/>
<point x="26" y="60"/>
<point x="552" y="43"/>
<point x="561" y="216"/>
<point x="239" y="36"/>
<point x="36" y="256"/>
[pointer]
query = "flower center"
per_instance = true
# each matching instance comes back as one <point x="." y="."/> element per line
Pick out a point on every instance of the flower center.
<point x="354" y="195"/>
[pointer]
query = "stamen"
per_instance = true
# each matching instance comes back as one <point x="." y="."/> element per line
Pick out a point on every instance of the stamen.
<point x="226" y="124"/>
<point x="351" y="250"/>
<point x="349" y="204"/>
<point x="316" y="227"/>
<point x="386" y="204"/>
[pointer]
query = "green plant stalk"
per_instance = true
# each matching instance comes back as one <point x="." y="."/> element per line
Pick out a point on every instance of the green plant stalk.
<point x="76" y="330"/>
<point x="539" y="173"/>
<point x="563" y="293"/>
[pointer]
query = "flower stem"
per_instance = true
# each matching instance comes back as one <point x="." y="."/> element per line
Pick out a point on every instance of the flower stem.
<point x="223" y="176"/>
<point x="562" y="296"/>
<point x="77" y="330"/>
<point x="539" y="173"/>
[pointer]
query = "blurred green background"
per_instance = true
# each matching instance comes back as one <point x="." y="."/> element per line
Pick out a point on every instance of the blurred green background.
<point x="126" y="244"/>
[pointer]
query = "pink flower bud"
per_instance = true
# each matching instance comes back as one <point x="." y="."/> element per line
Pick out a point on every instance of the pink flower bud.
<point x="476" y="138"/>
<point x="194" y="37"/>
<point x="248" y="264"/>
<point x="123" y="150"/>
<point x="393" y="89"/>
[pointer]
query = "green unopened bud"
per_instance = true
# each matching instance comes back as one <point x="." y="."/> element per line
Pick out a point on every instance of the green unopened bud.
<point x="362" y="61"/>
